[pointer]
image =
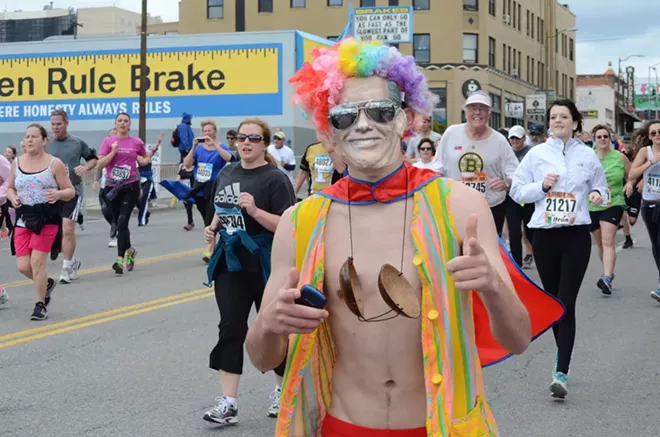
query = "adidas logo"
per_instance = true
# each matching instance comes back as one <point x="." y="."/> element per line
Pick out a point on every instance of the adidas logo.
<point x="229" y="194"/>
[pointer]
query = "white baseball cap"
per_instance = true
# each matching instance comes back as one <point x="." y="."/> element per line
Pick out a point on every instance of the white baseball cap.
<point x="517" y="132"/>
<point x="479" y="97"/>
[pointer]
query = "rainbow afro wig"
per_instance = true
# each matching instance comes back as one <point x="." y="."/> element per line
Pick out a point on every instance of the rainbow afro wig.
<point x="319" y="82"/>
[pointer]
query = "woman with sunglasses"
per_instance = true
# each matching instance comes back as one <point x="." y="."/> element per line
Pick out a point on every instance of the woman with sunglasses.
<point x="560" y="177"/>
<point x="426" y="152"/>
<point x="647" y="164"/>
<point x="119" y="157"/>
<point x="207" y="157"/>
<point x="250" y="197"/>
<point x="605" y="218"/>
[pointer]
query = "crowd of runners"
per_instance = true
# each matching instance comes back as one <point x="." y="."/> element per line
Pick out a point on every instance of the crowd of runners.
<point x="550" y="192"/>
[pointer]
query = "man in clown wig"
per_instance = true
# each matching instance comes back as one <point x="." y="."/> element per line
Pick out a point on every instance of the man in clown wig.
<point x="419" y="294"/>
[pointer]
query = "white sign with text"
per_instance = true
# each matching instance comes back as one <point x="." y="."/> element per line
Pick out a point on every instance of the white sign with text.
<point x="389" y="24"/>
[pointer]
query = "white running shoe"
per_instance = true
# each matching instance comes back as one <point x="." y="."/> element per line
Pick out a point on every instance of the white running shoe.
<point x="4" y="296"/>
<point x="274" y="409"/>
<point x="65" y="276"/>
<point x="73" y="272"/>
<point x="112" y="242"/>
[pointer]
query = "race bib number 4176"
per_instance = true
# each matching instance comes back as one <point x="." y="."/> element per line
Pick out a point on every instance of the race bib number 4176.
<point x="560" y="208"/>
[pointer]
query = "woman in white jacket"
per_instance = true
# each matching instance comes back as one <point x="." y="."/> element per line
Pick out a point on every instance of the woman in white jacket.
<point x="558" y="177"/>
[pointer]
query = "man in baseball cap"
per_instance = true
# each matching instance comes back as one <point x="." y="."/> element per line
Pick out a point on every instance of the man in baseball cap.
<point x="536" y="135"/>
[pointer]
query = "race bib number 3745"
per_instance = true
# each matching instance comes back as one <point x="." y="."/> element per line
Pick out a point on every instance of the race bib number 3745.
<point x="560" y="208"/>
<point x="477" y="181"/>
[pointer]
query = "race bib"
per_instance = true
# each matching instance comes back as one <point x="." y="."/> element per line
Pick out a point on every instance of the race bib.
<point x="477" y="181"/>
<point x="560" y="208"/>
<point x="120" y="172"/>
<point x="231" y="219"/>
<point x="204" y="172"/>
<point x="652" y="184"/>
<point x="607" y="197"/>
<point x="323" y="167"/>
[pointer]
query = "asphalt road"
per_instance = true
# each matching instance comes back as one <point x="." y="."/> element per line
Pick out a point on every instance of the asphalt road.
<point x="128" y="356"/>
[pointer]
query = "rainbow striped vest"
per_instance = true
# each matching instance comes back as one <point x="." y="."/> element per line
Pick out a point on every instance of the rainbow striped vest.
<point x="452" y="371"/>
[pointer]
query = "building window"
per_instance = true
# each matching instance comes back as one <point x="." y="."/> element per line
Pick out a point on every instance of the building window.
<point x="491" y="7"/>
<point x="422" y="48"/>
<point x="470" y="5"/>
<point x="265" y="5"/>
<point x="571" y="90"/>
<point x="557" y="89"/>
<point x="538" y="29"/>
<point x="503" y="57"/>
<point x="470" y="46"/>
<point x="527" y="69"/>
<point x="508" y="69"/>
<point x="367" y="2"/>
<point x="531" y="25"/>
<point x="528" y="20"/>
<point x="532" y="74"/>
<point x="215" y="9"/>
<point x="570" y="49"/>
<point x="496" y="112"/>
<point x="440" y="111"/>
<point x="514" y="15"/>
<point x="514" y="61"/>
<point x="298" y="3"/>
<point x="491" y="52"/>
<point x="335" y="2"/>
<point x="421" y="5"/>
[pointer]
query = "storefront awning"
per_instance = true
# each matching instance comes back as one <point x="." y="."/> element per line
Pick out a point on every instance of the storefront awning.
<point x="624" y="111"/>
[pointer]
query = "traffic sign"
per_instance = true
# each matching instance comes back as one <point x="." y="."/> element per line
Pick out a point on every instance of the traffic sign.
<point x="535" y="104"/>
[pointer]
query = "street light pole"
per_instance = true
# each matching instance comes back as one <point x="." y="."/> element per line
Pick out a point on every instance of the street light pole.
<point x="624" y="60"/>
<point x="143" y="74"/>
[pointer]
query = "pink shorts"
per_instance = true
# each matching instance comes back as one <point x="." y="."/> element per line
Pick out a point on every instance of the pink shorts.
<point x="25" y="241"/>
<point x="336" y="428"/>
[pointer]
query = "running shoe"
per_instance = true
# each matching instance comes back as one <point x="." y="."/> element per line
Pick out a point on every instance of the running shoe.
<point x="224" y="413"/>
<point x="655" y="294"/>
<point x="605" y="285"/>
<point x="118" y="266"/>
<point x="628" y="243"/>
<point x="70" y="274"/>
<point x="40" y="312"/>
<point x="112" y="242"/>
<point x="74" y="269"/>
<point x="130" y="259"/>
<point x="49" y="289"/>
<point x="189" y="226"/>
<point x="528" y="261"/>
<point x="274" y="409"/>
<point x="206" y="257"/>
<point x="558" y="387"/>
<point x="4" y="296"/>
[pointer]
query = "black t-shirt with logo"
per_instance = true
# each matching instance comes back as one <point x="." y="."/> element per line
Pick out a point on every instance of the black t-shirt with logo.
<point x="272" y="192"/>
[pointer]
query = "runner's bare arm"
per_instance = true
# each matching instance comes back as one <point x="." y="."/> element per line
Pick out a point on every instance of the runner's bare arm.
<point x="67" y="192"/>
<point x="640" y="165"/>
<point x="509" y="319"/>
<point x="265" y="348"/>
<point x="105" y="160"/>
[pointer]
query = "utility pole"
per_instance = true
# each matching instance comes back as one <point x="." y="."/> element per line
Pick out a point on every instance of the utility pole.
<point x="143" y="74"/>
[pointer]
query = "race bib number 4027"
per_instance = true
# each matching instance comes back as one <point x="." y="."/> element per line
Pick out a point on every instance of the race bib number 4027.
<point x="477" y="181"/>
<point x="560" y="208"/>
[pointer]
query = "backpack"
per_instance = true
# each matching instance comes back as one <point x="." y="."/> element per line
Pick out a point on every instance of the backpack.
<point x="175" y="139"/>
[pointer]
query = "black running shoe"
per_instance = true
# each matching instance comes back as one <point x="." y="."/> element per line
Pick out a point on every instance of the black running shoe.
<point x="49" y="289"/>
<point x="628" y="243"/>
<point x="40" y="312"/>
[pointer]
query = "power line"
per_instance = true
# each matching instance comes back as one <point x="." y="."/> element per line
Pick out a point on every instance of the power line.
<point x="618" y="37"/>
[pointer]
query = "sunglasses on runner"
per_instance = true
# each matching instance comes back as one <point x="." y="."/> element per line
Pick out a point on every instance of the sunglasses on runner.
<point x="253" y="138"/>
<point x="425" y="149"/>
<point x="654" y="133"/>
<point x="230" y="138"/>
<point x="344" y="116"/>
<point x="602" y="137"/>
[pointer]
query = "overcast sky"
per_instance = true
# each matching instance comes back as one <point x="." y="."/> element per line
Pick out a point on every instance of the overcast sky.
<point x="607" y="29"/>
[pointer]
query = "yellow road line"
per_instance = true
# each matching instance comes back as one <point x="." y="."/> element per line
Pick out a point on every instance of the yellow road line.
<point x="143" y="261"/>
<point x="102" y="314"/>
<point x="104" y="320"/>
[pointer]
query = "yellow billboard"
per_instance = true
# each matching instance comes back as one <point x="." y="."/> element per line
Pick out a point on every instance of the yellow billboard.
<point x="194" y="79"/>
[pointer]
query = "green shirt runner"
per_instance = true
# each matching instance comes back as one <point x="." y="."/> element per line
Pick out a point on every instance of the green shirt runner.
<point x="615" y="172"/>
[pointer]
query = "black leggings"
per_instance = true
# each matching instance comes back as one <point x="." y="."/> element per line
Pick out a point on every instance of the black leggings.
<point x="562" y="257"/>
<point x="235" y="293"/>
<point x="651" y="216"/>
<point x="143" y="204"/>
<point x="499" y="214"/>
<point x="122" y="206"/>
<point x="205" y="208"/>
<point x="516" y="216"/>
<point x="4" y="216"/>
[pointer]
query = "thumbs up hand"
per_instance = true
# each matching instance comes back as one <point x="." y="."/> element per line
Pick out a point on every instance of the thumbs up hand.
<point x="472" y="270"/>
<point x="282" y="316"/>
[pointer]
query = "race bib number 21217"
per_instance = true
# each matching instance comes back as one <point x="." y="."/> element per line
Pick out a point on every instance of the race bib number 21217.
<point x="560" y="208"/>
